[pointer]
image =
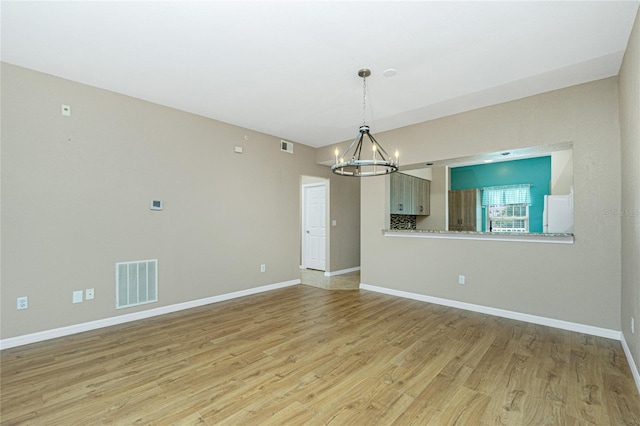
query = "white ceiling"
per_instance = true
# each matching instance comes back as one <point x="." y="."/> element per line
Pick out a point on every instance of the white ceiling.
<point x="289" y="68"/>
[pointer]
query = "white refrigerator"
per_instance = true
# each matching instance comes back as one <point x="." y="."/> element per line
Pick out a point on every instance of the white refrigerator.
<point x="558" y="214"/>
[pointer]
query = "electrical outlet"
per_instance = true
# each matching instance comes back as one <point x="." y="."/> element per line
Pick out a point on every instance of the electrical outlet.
<point x="89" y="294"/>
<point x="23" y="303"/>
<point x="633" y="327"/>
<point x="461" y="279"/>
<point x="263" y="268"/>
<point x="77" y="296"/>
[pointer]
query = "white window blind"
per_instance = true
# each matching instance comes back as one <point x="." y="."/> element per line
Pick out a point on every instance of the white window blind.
<point x="504" y="195"/>
<point x="508" y="218"/>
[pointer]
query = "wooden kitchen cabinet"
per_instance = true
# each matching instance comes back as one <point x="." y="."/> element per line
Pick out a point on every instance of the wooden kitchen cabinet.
<point x="399" y="194"/>
<point x="464" y="214"/>
<point x="422" y="191"/>
<point x="409" y="195"/>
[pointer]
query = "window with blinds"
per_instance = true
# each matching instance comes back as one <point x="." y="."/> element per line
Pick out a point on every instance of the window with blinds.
<point x="508" y="218"/>
<point x="507" y="208"/>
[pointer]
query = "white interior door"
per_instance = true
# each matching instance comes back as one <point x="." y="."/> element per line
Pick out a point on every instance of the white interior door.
<point x="314" y="226"/>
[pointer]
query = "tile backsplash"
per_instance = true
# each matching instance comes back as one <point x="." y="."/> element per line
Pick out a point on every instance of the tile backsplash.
<point x="403" y="221"/>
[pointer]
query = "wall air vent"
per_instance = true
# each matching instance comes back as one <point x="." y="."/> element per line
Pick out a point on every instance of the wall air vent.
<point x="136" y="283"/>
<point x="286" y="146"/>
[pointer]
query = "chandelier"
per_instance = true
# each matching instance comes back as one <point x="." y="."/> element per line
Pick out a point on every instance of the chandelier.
<point x="380" y="163"/>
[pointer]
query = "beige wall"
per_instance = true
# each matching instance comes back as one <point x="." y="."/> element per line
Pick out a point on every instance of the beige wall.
<point x="629" y="81"/>
<point x="578" y="282"/>
<point x="345" y="210"/>
<point x="76" y="193"/>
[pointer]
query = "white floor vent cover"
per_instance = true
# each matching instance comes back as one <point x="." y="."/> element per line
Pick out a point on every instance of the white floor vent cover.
<point x="136" y="283"/>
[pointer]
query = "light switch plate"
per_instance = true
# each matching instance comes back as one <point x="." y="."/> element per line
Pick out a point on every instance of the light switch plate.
<point x="77" y="296"/>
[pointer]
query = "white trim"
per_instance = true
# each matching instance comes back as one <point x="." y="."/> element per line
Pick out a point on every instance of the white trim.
<point x="486" y="236"/>
<point x="632" y="364"/>
<point x="106" y="322"/>
<point x="341" y="271"/>
<point x="534" y="319"/>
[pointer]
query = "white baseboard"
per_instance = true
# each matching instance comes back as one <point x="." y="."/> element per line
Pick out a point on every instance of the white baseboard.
<point x="341" y="272"/>
<point x="632" y="364"/>
<point x="534" y="319"/>
<point x="120" y="319"/>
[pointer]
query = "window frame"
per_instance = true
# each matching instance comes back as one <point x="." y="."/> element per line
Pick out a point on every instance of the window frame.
<point x="490" y="218"/>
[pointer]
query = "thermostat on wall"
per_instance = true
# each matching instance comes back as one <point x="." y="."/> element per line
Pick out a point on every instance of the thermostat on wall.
<point x="156" y="205"/>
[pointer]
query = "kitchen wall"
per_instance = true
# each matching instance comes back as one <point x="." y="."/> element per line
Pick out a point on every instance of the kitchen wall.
<point x="577" y="282"/>
<point x="402" y="221"/>
<point x="562" y="172"/>
<point x="76" y="193"/>
<point x="629" y="211"/>
<point x="438" y="202"/>
<point x="534" y="171"/>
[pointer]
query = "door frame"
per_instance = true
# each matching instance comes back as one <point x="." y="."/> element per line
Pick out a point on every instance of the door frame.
<point x="310" y="181"/>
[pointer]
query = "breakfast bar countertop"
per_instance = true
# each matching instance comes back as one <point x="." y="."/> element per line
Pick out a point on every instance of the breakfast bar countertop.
<point x="537" y="237"/>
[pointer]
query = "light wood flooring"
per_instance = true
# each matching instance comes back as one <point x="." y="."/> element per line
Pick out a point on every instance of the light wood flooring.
<point x="305" y="355"/>
<point x="350" y="281"/>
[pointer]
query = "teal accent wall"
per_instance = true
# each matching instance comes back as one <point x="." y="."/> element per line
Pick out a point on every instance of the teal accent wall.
<point x="534" y="171"/>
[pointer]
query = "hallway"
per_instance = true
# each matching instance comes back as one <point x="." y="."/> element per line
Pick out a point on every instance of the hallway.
<point x="350" y="281"/>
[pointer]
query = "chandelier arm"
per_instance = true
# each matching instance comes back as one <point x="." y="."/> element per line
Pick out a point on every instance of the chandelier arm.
<point x="356" y="154"/>
<point x="359" y="135"/>
<point x="358" y="151"/>
<point x="379" y="147"/>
